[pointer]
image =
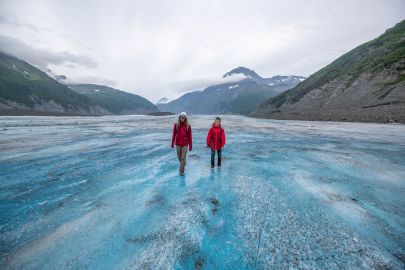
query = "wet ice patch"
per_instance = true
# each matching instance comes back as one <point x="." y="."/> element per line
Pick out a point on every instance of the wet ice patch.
<point x="329" y="195"/>
<point x="24" y="255"/>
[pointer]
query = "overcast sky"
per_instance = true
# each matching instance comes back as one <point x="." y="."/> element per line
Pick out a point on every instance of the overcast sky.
<point x="158" y="48"/>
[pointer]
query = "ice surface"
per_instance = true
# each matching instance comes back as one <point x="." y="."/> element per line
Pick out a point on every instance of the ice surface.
<point x="104" y="193"/>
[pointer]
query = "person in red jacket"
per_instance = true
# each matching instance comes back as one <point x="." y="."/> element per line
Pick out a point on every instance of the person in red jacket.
<point x="182" y="137"/>
<point x="216" y="141"/>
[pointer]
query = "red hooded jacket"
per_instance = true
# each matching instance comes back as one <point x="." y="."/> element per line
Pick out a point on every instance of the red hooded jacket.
<point x="216" y="137"/>
<point x="182" y="135"/>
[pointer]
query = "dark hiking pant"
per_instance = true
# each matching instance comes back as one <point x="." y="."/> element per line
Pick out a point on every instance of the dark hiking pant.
<point x="182" y="154"/>
<point x="213" y="157"/>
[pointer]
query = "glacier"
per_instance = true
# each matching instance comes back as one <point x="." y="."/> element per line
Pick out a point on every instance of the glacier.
<point x="104" y="193"/>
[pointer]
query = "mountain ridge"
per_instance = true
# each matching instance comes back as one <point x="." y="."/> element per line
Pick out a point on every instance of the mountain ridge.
<point x="239" y="97"/>
<point x="116" y="101"/>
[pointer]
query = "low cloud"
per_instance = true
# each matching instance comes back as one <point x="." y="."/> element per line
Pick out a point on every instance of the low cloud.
<point x="200" y="84"/>
<point x="81" y="80"/>
<point x="42" y="58"/>
<point x="93" y="80"/>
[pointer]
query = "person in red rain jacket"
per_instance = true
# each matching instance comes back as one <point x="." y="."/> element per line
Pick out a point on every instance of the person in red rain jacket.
<point x="216" y="141"/>
<point x="182" y="137"/>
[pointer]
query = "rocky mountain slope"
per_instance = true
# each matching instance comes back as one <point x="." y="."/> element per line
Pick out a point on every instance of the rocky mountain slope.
<point x="26" y="90"/>
<point x="366" y="84"/>
<point x="241" y="97"/>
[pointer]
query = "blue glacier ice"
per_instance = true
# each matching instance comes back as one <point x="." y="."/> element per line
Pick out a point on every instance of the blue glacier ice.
<point x="104" y="193"/>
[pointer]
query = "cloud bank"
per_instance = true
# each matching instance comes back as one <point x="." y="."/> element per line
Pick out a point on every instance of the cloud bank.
<point x="42" y="58"/>
<point x="162" y="48"/>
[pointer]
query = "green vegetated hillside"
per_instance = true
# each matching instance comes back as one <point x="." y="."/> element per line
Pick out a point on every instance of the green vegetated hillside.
<point x="114" y="100"/>
<point x="365" y="84"/>
<point x="26" y="90"/>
